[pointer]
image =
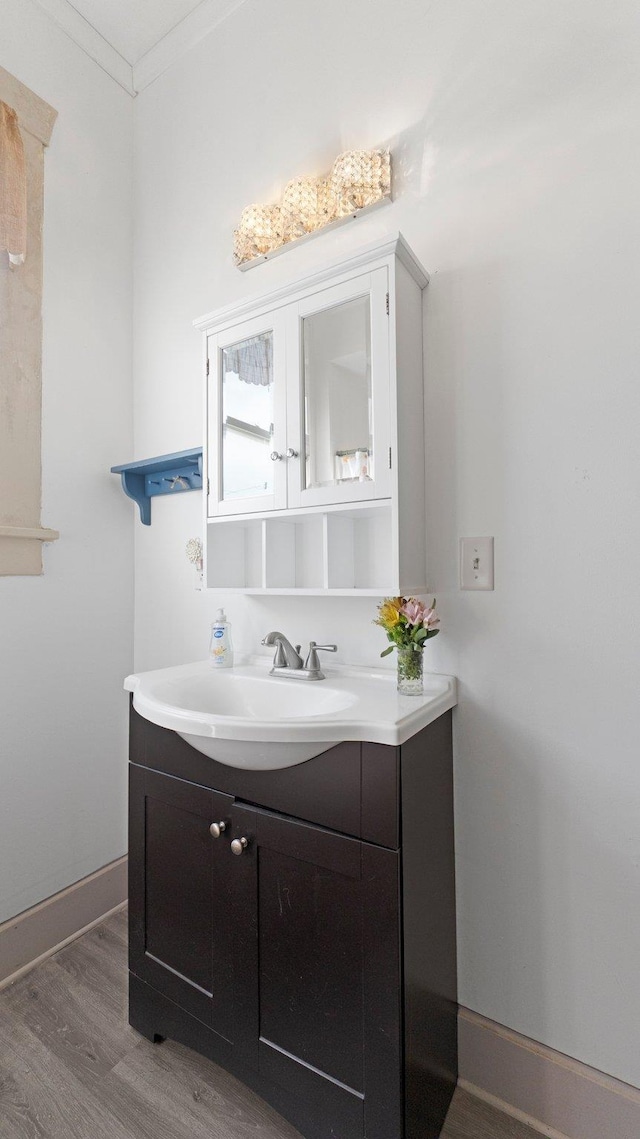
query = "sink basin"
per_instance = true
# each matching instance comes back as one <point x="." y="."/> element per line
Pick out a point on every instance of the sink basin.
<point x="246" y="693"/>
<point x="245" y="717"/>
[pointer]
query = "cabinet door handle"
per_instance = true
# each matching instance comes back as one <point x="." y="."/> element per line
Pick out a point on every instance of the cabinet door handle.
<point x="275" y="456"/>
<point x="216" y="829"/>
<point x="291" y="454"/>
<point x="239" y="845"/>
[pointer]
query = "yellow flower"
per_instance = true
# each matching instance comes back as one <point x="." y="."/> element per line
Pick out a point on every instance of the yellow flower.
<point x="389" y="612"/>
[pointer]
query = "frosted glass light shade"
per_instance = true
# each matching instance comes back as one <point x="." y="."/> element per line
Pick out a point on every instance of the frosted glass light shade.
<point x="307" y="204"/>
<point x="259" y="232"/>
<point x="359" y="178"/>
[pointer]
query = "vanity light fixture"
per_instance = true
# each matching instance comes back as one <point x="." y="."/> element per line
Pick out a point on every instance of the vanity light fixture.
<point x="359" y="180"/>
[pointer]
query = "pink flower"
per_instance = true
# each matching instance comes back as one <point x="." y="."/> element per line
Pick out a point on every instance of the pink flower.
<point x="414" y="611"/>
<point x="430" y="618"/>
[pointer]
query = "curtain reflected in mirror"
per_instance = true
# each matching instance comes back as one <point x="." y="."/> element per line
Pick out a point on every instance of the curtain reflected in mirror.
<point x="247" y="418"/>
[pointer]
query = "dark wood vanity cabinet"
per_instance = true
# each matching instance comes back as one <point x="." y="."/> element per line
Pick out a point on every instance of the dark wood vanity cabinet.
<point x="180" y="896"/>
<point x="318" y="964"/>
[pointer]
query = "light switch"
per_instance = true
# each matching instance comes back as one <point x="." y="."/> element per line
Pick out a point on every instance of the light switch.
<point x="476" y="563"/>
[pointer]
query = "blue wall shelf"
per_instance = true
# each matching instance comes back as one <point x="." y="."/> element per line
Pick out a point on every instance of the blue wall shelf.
<point x="165" y="474"/>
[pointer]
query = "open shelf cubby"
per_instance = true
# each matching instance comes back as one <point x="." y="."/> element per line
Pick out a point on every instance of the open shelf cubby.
<point x="235" y="555"/>
<point x="294" y="552"/>
<point x="337" y="552"/>
<point x="359" y="550"/>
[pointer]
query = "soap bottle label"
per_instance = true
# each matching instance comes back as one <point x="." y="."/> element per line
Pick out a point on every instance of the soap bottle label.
<point x="220" y="648"/>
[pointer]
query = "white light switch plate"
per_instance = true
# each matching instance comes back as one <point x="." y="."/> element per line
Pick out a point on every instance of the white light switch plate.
<point x="476" y="563"/>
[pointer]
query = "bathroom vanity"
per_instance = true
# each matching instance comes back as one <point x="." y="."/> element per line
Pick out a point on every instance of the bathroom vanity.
<point x="297" y="925"/>
<point x="292" y="895"/>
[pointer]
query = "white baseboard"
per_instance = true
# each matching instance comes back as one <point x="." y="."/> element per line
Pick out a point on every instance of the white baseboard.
<point x="37" y="933"/>
<point x="557" y="1096"/>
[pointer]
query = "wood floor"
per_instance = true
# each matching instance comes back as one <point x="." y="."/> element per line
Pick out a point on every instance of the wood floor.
<point x="72" y="1068"/>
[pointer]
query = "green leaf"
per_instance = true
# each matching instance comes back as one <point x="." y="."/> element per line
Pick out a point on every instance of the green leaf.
<point x="385" y="652"/>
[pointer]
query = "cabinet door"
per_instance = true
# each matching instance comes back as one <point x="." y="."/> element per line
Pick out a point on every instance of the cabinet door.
<point x="179" y="895"/>
<point x="246" y="398"/>
<point x="317" y="970"/>
<point x="339" y="400"/>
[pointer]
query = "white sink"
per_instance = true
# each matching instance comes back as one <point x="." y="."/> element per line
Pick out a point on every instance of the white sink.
<point x="246" y="718"/>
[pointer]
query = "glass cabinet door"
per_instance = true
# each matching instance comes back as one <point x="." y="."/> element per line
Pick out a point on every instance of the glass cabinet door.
<point x="339" y="409"/>
<point x="247" y="418"/>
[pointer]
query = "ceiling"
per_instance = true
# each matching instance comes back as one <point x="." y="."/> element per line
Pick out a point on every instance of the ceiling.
<point x="136" y="40"/>
<point x="133" y="27"/>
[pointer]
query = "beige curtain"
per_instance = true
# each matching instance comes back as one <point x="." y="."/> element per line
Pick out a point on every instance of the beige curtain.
<point x="13" y="187"/>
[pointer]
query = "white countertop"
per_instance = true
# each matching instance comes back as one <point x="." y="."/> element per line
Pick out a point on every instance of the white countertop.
<point x="247" y="705"/>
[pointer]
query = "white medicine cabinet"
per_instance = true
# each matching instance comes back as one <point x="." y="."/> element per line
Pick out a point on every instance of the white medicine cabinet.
<point x="314" y="449"/>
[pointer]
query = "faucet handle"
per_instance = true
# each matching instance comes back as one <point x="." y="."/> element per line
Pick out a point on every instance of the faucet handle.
<point x="312" y="663"/>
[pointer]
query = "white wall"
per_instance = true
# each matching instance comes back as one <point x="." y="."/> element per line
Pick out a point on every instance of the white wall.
<point x="65" y="638"/>
<point x="516" y="135"/>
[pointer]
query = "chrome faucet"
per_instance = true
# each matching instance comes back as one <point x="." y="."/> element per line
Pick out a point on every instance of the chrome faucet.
<point x="286" y="656"/>
<point x="288" y="662"/>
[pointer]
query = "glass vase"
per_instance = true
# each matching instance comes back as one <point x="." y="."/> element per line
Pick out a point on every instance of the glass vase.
<point x="410" y="671"/>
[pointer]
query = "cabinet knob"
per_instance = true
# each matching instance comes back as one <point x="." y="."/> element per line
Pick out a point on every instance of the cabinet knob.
<point x="239" y="845"/>
<point x="216" y="829"/>
<point x="291" y="454"/>
<point x="275" y="456"/>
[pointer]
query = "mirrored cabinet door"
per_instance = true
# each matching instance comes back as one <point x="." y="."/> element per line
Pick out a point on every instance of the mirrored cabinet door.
<point x="247" y="418"/>
<point x="338" y="411"/>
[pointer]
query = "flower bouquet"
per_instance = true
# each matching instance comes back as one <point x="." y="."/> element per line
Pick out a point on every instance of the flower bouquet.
<point x="408" y="623"/>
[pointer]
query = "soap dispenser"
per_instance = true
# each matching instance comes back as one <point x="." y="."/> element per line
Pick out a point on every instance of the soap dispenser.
<point x="220" y="647"/>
